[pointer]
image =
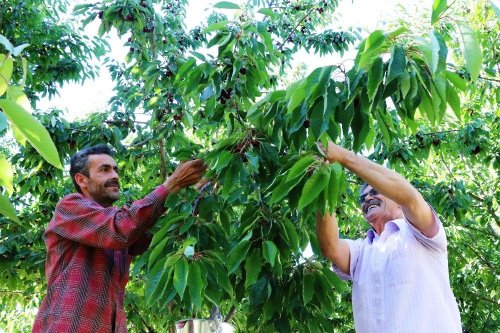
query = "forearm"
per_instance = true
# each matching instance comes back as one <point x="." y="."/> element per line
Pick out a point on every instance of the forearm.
<point x="87" y="222"/>
<point x="391" y="185"/>
<point x="386" y="181"/>
<point x="332" y="247"/>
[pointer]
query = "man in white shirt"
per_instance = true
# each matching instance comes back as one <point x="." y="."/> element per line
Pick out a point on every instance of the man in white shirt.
<point x="400" y="270"/>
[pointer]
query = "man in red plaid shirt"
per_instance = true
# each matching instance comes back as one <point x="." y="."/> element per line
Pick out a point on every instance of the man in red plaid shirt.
<point x="90" y="244"/>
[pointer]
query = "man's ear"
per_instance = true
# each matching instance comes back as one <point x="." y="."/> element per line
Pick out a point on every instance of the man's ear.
<point x="81" y="180"/>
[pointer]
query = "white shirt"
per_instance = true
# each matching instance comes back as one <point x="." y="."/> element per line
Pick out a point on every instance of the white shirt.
<point x="401" y="283"/>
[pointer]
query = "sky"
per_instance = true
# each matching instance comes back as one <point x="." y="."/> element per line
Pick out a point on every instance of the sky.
<point x="78" y="100"/>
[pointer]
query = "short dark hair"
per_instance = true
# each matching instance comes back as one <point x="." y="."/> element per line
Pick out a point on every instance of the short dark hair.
<point x="79" y="162"/>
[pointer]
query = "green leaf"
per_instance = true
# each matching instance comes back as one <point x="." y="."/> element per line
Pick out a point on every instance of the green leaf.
<point x="18" y="49"/>
<point x="167" y="223"/>
<point x="269" y="251"/>
<point x="397" y="64"/>
<point x="471" y="50"/>
<point x="334" y="185"/>
<point x="226" y="5"/>
<point x="297" y="93"/>
<point x="438" y="7"/>
<point x="300" y="167"/>
<point x="5" y="42"/>
<point x="253" y="266"/>
<point x="237" y="255"/>
<point x="181" y="273"/>
<point x="283" y="188"/>
<point x="215" y="26"/>
<point x="6" y="175"/>
<point x="6" y="68"/>
<point x="375" y="77"/>
<point x="456" y="80"/>
<point x="7" y="209"/>
<point x="313" y="187"/>
<point x="184" y="68"/>
<point x="32" y="130"/>
<point x="293" y="237"/>
<point x="373" y="47"/>
<point x="454" y="101"/>
<point x="156" y="252"/>
<point x="307" y="288"/>
<point x="267" y="11"/>
<point x="196" y="284"/>
<point x="156" y="280"/>
<point x="386" y="134"/>
<point x="439" y="52"/>
<point x="3" y="122"/>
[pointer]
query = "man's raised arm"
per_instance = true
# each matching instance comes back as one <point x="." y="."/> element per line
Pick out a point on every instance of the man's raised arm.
<point x="388" y="183"/>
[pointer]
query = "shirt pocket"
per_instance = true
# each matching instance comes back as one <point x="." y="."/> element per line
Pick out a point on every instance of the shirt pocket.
<point x="401" y="266"/>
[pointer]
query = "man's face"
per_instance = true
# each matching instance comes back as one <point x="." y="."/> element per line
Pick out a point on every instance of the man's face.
<point x="376" y="208"/>
<point x="102" y="183"/>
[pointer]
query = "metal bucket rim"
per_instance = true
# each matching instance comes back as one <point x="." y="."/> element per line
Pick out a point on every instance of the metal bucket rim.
<point x="222" y="323"/>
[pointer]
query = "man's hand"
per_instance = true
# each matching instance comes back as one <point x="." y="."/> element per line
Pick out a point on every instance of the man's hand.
<point x="186" y="174"/>
<point x="332" y="152"/>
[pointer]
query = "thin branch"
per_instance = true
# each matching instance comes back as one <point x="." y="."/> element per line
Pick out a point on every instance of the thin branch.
<point x="488" y="208"/>
<point x="230" y="314"/>
<point x="484" y="298"/>
<point x="163" y="161"/>
<point x="485" y="261"/>
<point x="144" y="322"/>
<point x="280" y="47"/>
<point x="489" y="78"/>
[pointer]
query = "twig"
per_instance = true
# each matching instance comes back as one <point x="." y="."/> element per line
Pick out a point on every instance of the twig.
<point x="230" y="314"/>
<point x="144" y="322"/>
<point x="488" y="78"/>
<point x="163" y="161"/>
<point x="488" y="208"/>
<point x="280" y="47"/>
<point x="196" y="201"/>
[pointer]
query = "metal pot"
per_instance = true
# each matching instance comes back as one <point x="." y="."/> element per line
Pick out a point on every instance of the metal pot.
<point x="203" y="326"/>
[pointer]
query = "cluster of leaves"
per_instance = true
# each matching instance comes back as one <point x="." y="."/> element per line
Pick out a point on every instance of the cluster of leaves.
<point x="58" y="52"/>
<point x="423" y="106"/>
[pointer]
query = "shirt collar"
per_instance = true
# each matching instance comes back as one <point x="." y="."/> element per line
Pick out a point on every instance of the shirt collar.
<point x="391" y="227"/>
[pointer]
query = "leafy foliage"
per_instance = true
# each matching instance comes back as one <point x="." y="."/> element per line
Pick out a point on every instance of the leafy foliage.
<point x="420" y="99"/>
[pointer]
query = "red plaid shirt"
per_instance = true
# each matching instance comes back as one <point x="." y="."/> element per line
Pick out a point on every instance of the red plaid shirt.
<point x="89" y="250"/>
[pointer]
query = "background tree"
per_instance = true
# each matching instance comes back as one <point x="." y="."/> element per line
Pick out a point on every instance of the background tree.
<point x="421" y="98"/>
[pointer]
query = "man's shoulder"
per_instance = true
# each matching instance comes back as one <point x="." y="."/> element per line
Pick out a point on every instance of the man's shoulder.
<point x="72" y="197"/>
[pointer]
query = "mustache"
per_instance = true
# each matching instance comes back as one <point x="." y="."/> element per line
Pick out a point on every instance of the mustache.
<point x="371" y="202"/>
<point x="112" y="183"/>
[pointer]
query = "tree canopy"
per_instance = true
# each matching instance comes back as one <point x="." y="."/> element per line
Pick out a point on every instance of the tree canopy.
<point x="420" y="97"/>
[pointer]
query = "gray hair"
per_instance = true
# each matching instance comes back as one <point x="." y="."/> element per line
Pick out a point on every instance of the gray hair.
<point x="79" y="162"/>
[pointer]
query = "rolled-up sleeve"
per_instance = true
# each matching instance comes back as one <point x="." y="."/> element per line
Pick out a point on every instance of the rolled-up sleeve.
<point x="436" y="243"/>
<point x="354" y="251"/>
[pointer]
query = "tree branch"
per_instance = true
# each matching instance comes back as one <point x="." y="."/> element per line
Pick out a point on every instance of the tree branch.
<point x="163" y="161"/>
<point x="280" y="47"/>
<point x="489" y="78"/>
<point x="488" y="208"/>
<point x="230" y="314"/>
<point x="144" y="322"/>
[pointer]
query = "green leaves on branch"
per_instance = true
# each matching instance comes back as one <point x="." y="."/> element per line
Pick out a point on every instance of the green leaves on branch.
<point x="6" y="68"/>
<point x="226" y="5"/>
<point x="438" y="7"/>
<point x="7" y="209"/>
<point x="32" y="130"/>
<point x="471" y="50"/>
<point x="320" y="189"/>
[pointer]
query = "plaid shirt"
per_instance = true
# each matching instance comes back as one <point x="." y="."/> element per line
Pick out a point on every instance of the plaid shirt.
<point x="89" y="250"/>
